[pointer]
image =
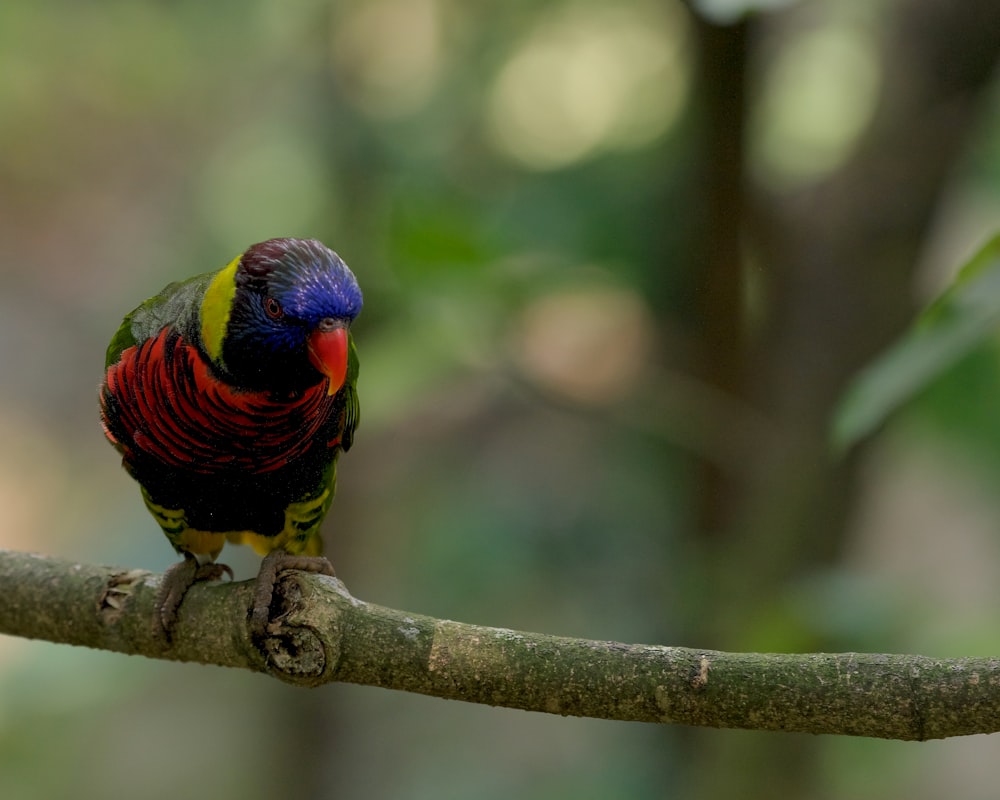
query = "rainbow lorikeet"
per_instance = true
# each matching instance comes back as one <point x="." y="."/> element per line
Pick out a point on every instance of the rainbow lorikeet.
<point x="230" y="396"/>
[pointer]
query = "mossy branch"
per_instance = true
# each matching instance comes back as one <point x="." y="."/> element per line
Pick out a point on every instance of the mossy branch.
<point x="323" y="634"/>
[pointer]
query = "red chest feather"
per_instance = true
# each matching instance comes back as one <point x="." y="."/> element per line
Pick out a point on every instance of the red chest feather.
<point x="162" y="401"/>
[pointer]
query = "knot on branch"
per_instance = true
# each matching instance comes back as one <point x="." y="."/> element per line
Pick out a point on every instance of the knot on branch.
<point x="295" y="655"/>
<point x="294" y="649"/>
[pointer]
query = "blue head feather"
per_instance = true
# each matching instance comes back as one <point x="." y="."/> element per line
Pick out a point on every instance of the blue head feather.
<point x="310" y="283"/>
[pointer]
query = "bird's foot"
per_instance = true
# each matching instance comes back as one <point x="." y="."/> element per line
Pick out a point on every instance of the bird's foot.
<point x="274" y="563"/>
<point x="175" y="584"/>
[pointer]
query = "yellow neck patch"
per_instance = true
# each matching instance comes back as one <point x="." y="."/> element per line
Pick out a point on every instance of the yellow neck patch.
<point x="215" y="309"/>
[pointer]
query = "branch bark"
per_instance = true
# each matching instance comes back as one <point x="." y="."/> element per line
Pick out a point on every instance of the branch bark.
<point x="322" y="634"/>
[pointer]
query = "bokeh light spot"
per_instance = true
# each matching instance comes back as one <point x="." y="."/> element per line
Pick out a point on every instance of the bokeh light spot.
<point x="587" y="343"/>
<point x="589" y="78"/>
<point x="388" y="54"/>
<point x="819" y="98"/>
<point x="266" y="181"/>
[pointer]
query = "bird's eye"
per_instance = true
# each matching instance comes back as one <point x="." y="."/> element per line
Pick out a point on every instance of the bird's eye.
<point x="273" y="308"/>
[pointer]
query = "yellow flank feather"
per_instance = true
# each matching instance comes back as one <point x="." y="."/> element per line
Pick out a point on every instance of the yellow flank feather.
<point x="203" y="545"/>
<point x="300" y="535"/>
<point x="215" y="309"/>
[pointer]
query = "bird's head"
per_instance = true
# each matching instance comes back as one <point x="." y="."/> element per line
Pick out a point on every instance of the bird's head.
<point x="278" y="317"/>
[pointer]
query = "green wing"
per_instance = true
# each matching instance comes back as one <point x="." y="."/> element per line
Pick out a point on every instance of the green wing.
<point x="178" y="305"/>
<point x="352" y="409"/>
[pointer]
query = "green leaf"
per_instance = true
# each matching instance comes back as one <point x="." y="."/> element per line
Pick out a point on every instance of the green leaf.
<point x="964" y="315"/>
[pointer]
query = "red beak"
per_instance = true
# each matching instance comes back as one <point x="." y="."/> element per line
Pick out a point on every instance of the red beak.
<point x="328" y="353"/>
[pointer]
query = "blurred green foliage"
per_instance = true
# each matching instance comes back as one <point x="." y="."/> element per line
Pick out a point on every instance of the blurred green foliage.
<point x="515" y="186"/>
<point x="962" y="318"/>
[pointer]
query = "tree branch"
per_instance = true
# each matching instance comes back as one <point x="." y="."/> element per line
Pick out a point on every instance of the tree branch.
<point x="323" y="634"/>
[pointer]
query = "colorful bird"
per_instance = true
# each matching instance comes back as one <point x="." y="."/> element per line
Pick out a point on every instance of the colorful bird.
<point x="230" y="396"/>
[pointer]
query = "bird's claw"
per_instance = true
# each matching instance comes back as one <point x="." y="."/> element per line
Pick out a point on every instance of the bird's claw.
<point x="274" y="563"/>
<point x="212" y="572"/>
<point x="174" y="586"/>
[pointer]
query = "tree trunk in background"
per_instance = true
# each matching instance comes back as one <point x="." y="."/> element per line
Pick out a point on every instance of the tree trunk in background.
<point x="837" y="266"/>
<point x="717" y="257"/>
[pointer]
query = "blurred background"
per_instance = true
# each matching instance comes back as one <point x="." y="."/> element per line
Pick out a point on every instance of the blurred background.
<point x="620" y="260"/>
